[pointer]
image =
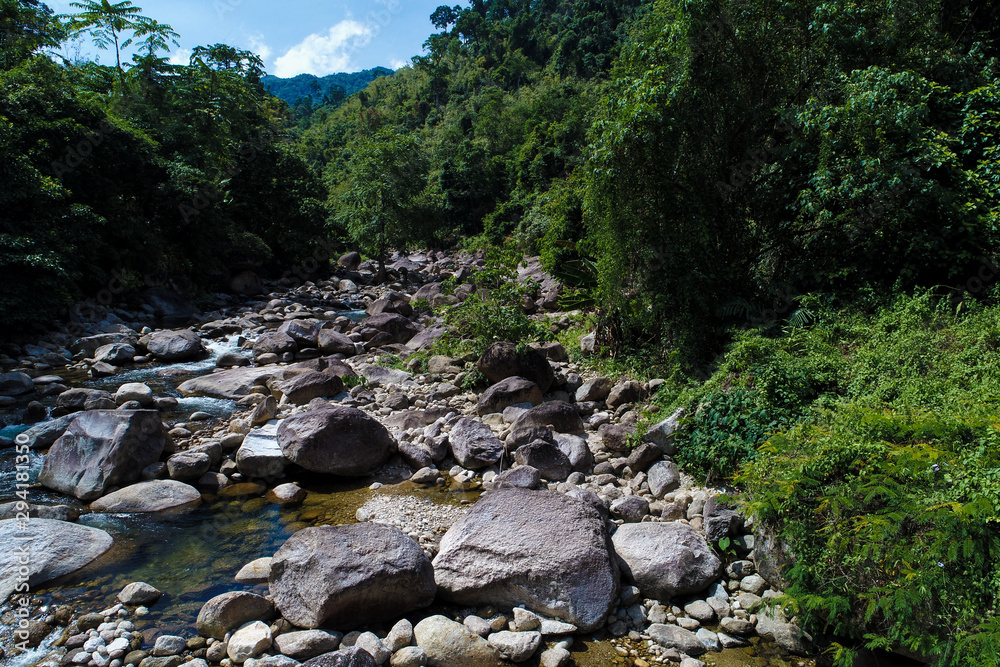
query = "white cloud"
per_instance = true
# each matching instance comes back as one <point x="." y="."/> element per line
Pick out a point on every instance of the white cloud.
<point x="258" y="46"/>
<point x="180" y="57"/>
<point x="396" y="63"/>
<point x="323" y="54"/>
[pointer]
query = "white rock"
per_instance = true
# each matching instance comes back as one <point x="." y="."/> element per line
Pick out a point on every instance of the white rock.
<point x="249" y="641"/>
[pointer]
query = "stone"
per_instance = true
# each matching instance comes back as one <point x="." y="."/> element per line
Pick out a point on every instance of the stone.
<point x="474" y="445"/>
<point x="515" y="646"/>
<point x="506" y="392"/>
<point x="643" y="456"/>
<point x="753" y="584"/>
<point x="556" y="415"/>
<point x="525" y="620"/>
<point x="350" y="575"/>
<point x="264" y="411"/>
<point x="663" y="477"/>
<point x="331" y="341"/>
<point x="74" y="400"/>
<point x="502" y="360"/>
<point x="169" y="645"/>
<point x="287" y="494"/>
<point x="139" y="593"/>
<point x="524" y="477"/>
<point x="671" y="636"/>
<point x="662" y="433"/>
<point x="370" y="642"/>
<point x="666" y="559"/>
<point x="409" y="656"/>
<point x="15" y="384"/>
<point x="555" y="657"/>
<point x="399" y="636"/>
<point x="351" y="656"/>
<point x="101" y="449"/>
<point x="709" y="639"/>
<point x="721" y="521"/>
<point x="380" y="376"/>
<point x="135" y="391"/>
<point x="306" y="644"/>
<point x="629" y="391"/>
<point x="399" y="328"/>
<point x="256" y="572"/>
<point x="260" y="455"/>
<point x="188" y="466"/>
<point x="246" y="283"/>
<point x="116" y="354"/>
<point x="629" y="509"/>
<point x="576" y="449"/>
<point x="305" y="387"/>
<point x="701" y="611"/>
<point x="57" y="549"/>
<point x="41" y="436"/>
<point x="426" y="338"/>
<point x="615" y="437"/>
<point x="502" y="552"/>
<point x="595" y="390"/>
<point x="231" y="610"/>
<point x="249" y="641"/>
<point x="738" y="626"/>
<point x="174" y="345"/>
<point x="337" y="440"/>
<point x="548" y="459"/>
<point x="351" y="261"/>
<point x="152" y="496"/>
<point x="274" y="342"/>
<point x="450" y="644"/>
<point x="303" y="332"/>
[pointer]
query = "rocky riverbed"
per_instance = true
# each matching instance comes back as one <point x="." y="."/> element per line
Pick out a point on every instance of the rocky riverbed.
<point x="387" y="515"/>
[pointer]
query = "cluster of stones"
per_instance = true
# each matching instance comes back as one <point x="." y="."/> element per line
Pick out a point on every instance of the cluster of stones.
<point x="577" y="530"/>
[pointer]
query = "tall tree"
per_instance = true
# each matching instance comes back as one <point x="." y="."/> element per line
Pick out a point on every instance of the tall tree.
<point x="118" y="24"/>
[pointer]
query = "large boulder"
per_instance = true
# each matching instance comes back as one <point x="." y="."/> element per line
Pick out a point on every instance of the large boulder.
<point x="15" y="384"/>
<point x="545" y="457"/>
<point x="305" y="387"/>
<point x="666" y="559"/>
<point x="450" y="644"/>
<point x="274" y="342"/>
<point x="541" y="549"/>
<point x="231" y="610"/>
<point x="338" y="440"/>
<point x="398" y="327"/>
<point x="474" y="445"/>
<point x="304" y="332"/>
<point x="331" y="341"/>
<point x="350" y="575"/>
<point x="82" y="398"/>
<point x="508" y="392"/>
<point x="426" y="338"/>
<point x="41" y="436"/>
<point x="174" y="345"/>
<point x="54" y="549"/>
<point x="153" y="496"/>
<point x="502" y="360"/>
<point x="101" y="449"/>
<point x="557" y="415"/>
<point x="260" y="454"/>
<point x="115" y="354"/>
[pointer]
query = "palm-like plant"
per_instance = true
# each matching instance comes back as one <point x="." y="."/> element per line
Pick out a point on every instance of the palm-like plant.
<point x="107" y="23"/>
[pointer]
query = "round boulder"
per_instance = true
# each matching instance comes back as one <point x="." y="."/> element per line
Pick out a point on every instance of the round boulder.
<point x="557" y="415"/>
<point x="174" y="345"/>
<point x="153" y="496"/>
<point x="502" y="360"/>
<point x="508" y="392"/>
<point x="337" y="440"/>
<point x="350" y="575"/>
<point x="666" y="559"/>
<point x="231" y="610"/>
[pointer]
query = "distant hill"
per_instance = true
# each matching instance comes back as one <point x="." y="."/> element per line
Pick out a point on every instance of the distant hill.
<point x="315" y="88"/>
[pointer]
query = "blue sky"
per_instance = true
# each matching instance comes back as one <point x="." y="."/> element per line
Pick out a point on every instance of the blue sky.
<point x="292" y="36"/>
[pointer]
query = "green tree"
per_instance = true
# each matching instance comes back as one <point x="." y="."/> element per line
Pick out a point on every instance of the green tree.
<point x="386" y="202"/>
<point x="26" y="26"/>
<point x="107" y="23"/>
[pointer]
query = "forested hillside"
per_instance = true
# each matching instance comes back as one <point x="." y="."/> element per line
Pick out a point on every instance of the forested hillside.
<point x="329" y="89"/>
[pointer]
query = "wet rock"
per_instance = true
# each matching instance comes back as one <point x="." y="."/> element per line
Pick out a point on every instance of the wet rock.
<point x="556" y="415"/>
<point x="502" y="360"/>
<point x="502" y="552"/>
<point x="135" y="391"/>
<point x="139" y="593"/>
<point x="450" y="644"/>
<point x="188" y="466"/>
<point x="231" y="610"/>
<point x="43" y="435"/>
<point x="350" y="575"/>
<point x="57" y="549"/>
<point x="287" y="494"/>
<point x="337" y="440"/>
<point x="508" y="392"/>
<point x="666" y="559"/>
<point x="101" y="449"/>
<point x="168" y="645"/>
<point x="116" y="354"/>
<point x="152" y="496"/>
<point x="58" y="512"/>
<point x="174" y="345"/>
<point x="474" y="445"/>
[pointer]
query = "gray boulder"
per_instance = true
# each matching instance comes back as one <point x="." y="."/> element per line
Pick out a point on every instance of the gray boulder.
<point x="115" y="354"/>
<point x="548" y="459"/>
<point x="41" y="436"/>
<point x="101" y="449"/>
<point x="306" y="644"/>
<point x="56" y="548"/>
<point x="662" y="434"/>
<point x="81" y="398"/>
<point x="508" y="392"/>
<point x="337" y="440"/>
<point x="305" y="387"/>
<point x="665" y="559"/>
<point x="303" y="332"/>
<point x="502" y="360"/>
<point x="334" y="342"/>
<point x="231" y="610"/>
<point x="352" y="656"/>
<point x="152" y="496"/>
<point x="174" y="345"/>
<point x="671" y="636"/>
<point x="350" y="575"/>
<point x="450" y="644"/>
<point x="663" y="477"/>
<point x="396" y="326"/>
<point x="15" y="384"/>
<point x="576" y="449"/>
<point x="187" y="466"/>
<point x="474" y="445"/>
<point x="274" y="342"/>
<point x="541" y="549"/>
<point x="260" y="455"/>
<point x="557" y="415"/>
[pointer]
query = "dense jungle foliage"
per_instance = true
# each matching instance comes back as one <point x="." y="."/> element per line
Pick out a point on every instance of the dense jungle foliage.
<point x="790" y="209"/>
